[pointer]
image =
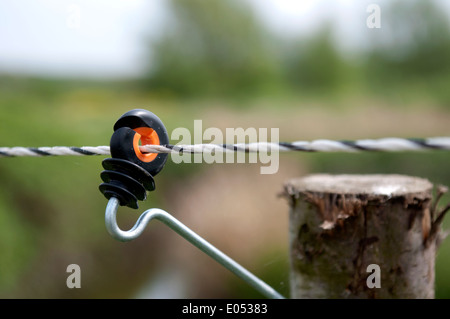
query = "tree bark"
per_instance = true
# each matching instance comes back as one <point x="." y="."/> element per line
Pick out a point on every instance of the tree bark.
<point x="341" y="224"/>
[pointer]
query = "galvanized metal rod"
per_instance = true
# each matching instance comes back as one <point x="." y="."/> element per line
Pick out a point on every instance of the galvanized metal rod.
<point x="161" y="215"/>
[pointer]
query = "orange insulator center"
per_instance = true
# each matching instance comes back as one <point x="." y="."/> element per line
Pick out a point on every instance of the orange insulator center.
<point x="147" y="136"/>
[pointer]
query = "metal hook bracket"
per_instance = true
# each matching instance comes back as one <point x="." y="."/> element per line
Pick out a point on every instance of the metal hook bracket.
<point x="166" y="218"/>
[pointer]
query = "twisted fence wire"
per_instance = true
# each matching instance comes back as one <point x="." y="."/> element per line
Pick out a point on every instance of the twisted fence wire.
<point x="392" y="144"/>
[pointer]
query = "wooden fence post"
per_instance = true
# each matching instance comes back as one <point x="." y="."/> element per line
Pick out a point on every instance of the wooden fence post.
<point x="362" y="236"/>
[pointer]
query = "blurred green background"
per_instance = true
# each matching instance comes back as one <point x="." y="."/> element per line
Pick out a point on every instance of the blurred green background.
<point x="224" y="62"/>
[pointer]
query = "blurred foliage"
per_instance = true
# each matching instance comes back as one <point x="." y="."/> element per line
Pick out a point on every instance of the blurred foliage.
<point x="220" y="48"/>
<point x="415" y="42"/>
<point x="213" y="47"/>
<point x="315" y="64"/>
<point x="413" y="48"/>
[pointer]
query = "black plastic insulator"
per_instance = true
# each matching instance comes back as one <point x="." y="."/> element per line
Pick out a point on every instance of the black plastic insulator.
<point x="126" y="181"/>
<point x="121" y="140"/>
<point x="128" y="175"/>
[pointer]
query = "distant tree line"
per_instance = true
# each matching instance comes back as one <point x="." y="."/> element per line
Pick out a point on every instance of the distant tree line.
<point x="221" y="48"/>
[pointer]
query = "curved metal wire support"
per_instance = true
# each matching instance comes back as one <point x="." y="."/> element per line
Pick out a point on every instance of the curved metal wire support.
<point x="161" y="215"/>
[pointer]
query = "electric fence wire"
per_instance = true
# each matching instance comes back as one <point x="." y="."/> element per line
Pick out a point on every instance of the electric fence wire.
<point x="392" y="144"/>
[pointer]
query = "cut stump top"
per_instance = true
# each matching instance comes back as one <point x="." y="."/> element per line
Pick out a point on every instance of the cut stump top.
<point x="377" y="184"/>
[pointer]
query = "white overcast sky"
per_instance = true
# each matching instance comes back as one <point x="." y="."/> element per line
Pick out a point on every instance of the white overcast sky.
<point x="103" y="38"/>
